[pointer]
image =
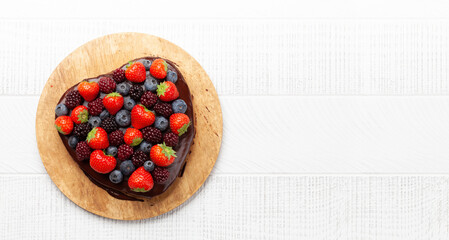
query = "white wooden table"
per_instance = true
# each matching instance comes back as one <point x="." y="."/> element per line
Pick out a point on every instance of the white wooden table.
<point x="333" y="129"/>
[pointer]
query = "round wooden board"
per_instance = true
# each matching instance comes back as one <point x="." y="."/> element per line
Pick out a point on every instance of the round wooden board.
<point x="100" y="56"/>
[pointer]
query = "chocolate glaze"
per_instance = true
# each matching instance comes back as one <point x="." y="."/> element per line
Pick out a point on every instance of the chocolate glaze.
<point x="121" y="190"/>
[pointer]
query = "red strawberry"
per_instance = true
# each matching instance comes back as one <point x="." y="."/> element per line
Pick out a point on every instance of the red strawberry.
<point x="133" y="137"/>
<point x="88" y="90"/>
<point x="167" y="91"/>
<point x="80" y="114"/>
<point x="113" y="102"/>
<point x="64" y="124"/>
<point x="136" y="72"/>
<point x="140" y="180"/>
<point x="97" y="138"/>
<point x="158" y="68"/>
<point x="141" y="117"/>
<point x="179" y="123"/>
<point x="102" y="163"/>
<point x="162" y="155"/>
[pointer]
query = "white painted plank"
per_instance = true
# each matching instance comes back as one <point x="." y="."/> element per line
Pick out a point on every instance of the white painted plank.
<point x="247" y="57"/>
<point x="245" y="207"/>
<point x="291" y="135"/>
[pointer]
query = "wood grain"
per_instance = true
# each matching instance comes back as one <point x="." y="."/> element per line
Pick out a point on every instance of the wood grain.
<point x="102" y="55"/>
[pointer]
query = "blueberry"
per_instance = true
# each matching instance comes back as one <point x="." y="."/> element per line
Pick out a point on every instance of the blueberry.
<point x="145" y="147"/>
<point x="111" y="150"/>
<point x="73" y="141"/>
<point x="95" y="121"/>
<point x="149" y="166"/>
<point x="150" y="84"/>
<point x="104" y="114"/>
<point x="146" y="63"/>
<point x="61" y="110"/>
<point x="161" y="123"/>
<point x="123" y="118"/>
<point x="127" y="167"/>
<point x="128" y="103"/>
<point x="179" y="106"/>
<point x="116" y="176"/>
<point x="123" y="88"/>
<point x="172" y="76"/>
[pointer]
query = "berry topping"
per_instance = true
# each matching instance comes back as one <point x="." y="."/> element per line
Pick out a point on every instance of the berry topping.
<point x="162" y="155"/>
<point x="139" y="158"/>
<point x="116" y="138"/>
<point x="80" y="114"/>
<point x="179" y="106"/>
<point x="129" y="103"/>
<point x="152" y="135"/>
<point x="149" y="166"/>
<point x="124" y="152"/>
<point x="104" y="114"/>
<point x="127" y="167"/>
<point x="118" y="75"/>
<point x="82" y="151"/>
<point x="148" y="99"/>
<point x="111" y="150"/>
<point x="136" y="92"/>
<point x="88" y="90"/>
<point x="73" y="99"/>
<point x="123" y="88"/>
<point x="123" y="118"/>
<point x="145" y="147"/>
<point x="171" y="139"/>
<point x="141" y="117"/>
<point x="81" y="130"/>
<point x="172" y="76"/>
<point x="61" y="110"/>
<point x="133" y="137"/>
<point x="167" y="91"/>
<point x="146" y="63"/>
<point x="136" y="72"/>
<point x="106" y="84"/>
<point x="98" y="138"/>
<point x="95" y="107"/>
<point x="73" y="141"/>
<point x="161" y="123"/>
<point x="64" y="125"/>
<point x="163" y="109"/>
<point x="95" y="121"/>
<point x="102" y="163"/>
<point x="179" y="123"/>
<point x="160" y="175"/>
<point x="116" y="176"/>
<point x="150" y="84"/>
<point x="140" y="180"/>
<point x="158" y="68"/>
<point x="113" y="102"/>
<point x="109" y="124"/>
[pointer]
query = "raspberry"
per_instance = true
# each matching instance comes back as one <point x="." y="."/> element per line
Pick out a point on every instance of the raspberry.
<point x="163" y="109"/>
<point x="171" y="139"/>
<point x="82" y="151"/>
<point x="95" y="107"/>
<point x="148" y="99"/>
<point x="160" y="175"/>
<point x="73" y="99"/>
<point x="106" y="84"/>
<point x="124" y="152"/>
<point x="152" y="135"/>
<point x="81" y="130"/>
<point x="109" y="124"/>
<point x="118" y="75"/>
<point x="139" y="158"/>
<point x="136" y="92"/>
<point x="116" y="138"/>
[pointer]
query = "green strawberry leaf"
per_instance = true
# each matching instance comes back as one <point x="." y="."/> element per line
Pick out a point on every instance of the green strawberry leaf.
<point x="139" y="190"/>
<point x="136" y="141"/>
<point x="167" y="151"/>
<point x="129" y="64"/>
<point x="83" y="116"/>
<point x="113" y="94"/>
<point x="59" y="129"/>
<point x="91" y="134"/>
<point x="165" y="65"/>
<point x="161" y="88"/>
<point x="183" y="129"/>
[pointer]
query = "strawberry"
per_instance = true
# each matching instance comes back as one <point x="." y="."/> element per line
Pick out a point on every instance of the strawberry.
<point x="80" y="114"/>
<point x="158" y="68"/>
<point x="64" y="124"/>
<point x="141" y="117"/>
<point x="133" y="137"/>
<point x="179" y="123"/>
<point x="167" y="91"/>
<point x="97" y="138"/>
<point x="88" y="90"/>
<point x="136" y="72"/>
<point x="102" y="163"/>
<point x="113" y="102"/>
<point x="162" y="155"/>
<point x="140" y="180"/>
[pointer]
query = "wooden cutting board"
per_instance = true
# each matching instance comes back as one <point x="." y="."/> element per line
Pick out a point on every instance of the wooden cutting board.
<point x="100" y="56"/>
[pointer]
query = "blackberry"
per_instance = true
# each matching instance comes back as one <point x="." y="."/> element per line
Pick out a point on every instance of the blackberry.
<point x="106" y="84"/>
<point x="160" y="175"/>
<point x="136" y="92"/>
<point x="95" y="107"/>
<point x="124" y="152"/>
<point x="73" y="99"/>
<point x="148" y="99"/>
<point x="139" y="158"/>
<point x="82" y="151"/>
<point x="118" y="75"/>
<point x="171" y="139"/>
<point x="81" y="130"/>
<point x="152" y="135"/>
<point x="116" y="138"/>
<point x="163" y="109"/>
<point x="109" y="124"/>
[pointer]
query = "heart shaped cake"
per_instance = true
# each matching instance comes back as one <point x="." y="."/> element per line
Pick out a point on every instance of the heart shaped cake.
<point x="129" y="130"/>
